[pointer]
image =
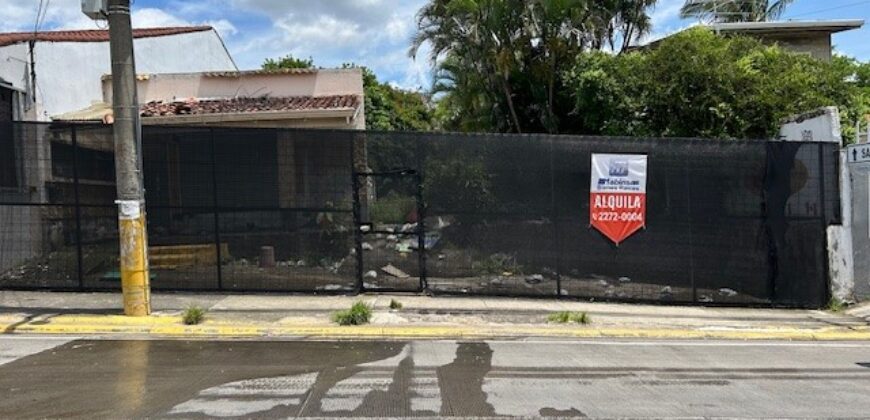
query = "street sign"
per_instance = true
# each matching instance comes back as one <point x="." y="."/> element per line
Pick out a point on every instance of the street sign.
<point x="858" y="153"/>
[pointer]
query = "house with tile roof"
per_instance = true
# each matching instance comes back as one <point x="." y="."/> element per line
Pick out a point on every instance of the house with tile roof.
<point x="300" y="98"/>
<point x="226" y="105"/>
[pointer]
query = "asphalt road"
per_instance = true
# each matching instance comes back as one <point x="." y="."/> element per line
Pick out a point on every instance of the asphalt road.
<point x="57" y="377"/>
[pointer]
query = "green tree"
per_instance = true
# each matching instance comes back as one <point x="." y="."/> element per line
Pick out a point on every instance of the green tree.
<point x="698" y="84"/>
<point x="387" y="108"/>
<point x="288" y="62"/>
<point x="735" y="10"/>
<point x="498" y="62"/>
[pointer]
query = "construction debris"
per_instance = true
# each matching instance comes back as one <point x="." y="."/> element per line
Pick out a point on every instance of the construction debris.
<point x="395" y="272"/>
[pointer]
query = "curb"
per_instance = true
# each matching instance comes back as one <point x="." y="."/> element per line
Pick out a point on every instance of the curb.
<point x="172" y="327"/>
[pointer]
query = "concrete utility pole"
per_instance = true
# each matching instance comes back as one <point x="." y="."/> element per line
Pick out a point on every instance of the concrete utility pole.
<point x="128" y="176"/>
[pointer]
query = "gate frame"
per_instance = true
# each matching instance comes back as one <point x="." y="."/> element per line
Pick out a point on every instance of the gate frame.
<point x="360" y="232"/>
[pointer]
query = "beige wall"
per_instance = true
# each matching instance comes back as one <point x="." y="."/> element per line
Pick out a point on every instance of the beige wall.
<point x="168" y="87"/>
<point x="817" y="45"/>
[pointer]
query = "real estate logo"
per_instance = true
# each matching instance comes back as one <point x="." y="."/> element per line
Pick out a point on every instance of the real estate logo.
<point x="617" y="195"/>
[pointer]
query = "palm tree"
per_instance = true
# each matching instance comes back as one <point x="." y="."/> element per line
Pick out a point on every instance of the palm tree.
<point x="735" y="10"/>
<point x="507" y="56"/>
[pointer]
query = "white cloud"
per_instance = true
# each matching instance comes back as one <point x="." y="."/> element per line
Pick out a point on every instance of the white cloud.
<point x="373" y="33"/>
<point x="224" y="27"/>
<point x="151" y="17"/>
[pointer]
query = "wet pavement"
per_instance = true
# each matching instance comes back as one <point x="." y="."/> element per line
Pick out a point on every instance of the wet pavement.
<point x="76" y="378"/>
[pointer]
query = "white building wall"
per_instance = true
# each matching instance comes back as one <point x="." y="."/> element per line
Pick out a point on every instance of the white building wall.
<point x="13" y="65"/>
<point x="68" y="74"/>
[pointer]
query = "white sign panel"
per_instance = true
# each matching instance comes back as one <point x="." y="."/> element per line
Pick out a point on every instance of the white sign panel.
<point x="617" y="199"/>
<point x="858" y="153"/>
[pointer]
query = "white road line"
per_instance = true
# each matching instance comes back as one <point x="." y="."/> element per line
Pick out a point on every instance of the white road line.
<point x="249" y="396"/>
<point x="662" y="343"/>
<point x="12" y="350"/>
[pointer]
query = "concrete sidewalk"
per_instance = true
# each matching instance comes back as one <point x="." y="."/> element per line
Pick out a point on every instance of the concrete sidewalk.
<point x="421" y="317"/>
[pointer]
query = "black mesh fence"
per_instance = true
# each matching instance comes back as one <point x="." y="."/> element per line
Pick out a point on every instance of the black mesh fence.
<point x="247" y="209"/>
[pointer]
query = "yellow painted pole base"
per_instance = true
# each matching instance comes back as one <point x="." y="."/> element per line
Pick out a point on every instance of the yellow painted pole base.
<point x="134" y="260"/>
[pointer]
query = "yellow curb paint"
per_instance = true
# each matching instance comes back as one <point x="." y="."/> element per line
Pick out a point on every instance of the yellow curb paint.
<point x="165" y="328"/>
<point x="114" y="319"/>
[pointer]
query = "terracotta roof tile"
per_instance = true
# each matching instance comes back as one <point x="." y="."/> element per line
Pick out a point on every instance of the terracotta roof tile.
<point x="243" y="105"/>
<point x="94" y="35"/>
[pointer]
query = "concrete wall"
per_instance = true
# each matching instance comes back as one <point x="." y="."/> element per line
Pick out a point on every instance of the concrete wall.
<point x="357" y="123"/>
<point x="823" y="125"/>
<point x="23" y="228"/>
<point x="169" y="87"/>
<point x="817" y="45"/>
<point x="14" y="66"/>
<point x="68" y="74"/>
<point x="860" y="181"/>
<point x="181" y="86"/>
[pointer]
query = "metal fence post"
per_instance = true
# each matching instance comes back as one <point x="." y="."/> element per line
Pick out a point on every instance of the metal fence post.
<point x="357" y="216"/>
<point x="78" y="208"/>
<point x="688" y="179"/>
<point x="557" y="238"/>
<point x="214" y="195"/>
<point x="421" y="217"/>
<point x="824" y="221"/>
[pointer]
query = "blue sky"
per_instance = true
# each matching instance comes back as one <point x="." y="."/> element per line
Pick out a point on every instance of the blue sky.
<point x="375" y="33"/>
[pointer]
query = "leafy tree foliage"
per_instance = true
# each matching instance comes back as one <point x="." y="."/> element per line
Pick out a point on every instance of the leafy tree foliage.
<point x="391" y="108"/>
<point x="386" y="107"/>
<point x="698" y="84"/>
<point x="735" y="10"/>
<point x="288" y="62"/>
<point x="498" y="62"/>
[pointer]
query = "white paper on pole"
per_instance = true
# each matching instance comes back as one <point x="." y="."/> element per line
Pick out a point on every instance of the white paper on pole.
<point x="128" y="209"/>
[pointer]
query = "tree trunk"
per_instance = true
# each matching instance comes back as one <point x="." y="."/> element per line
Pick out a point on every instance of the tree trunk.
<point x="510" y="101"/>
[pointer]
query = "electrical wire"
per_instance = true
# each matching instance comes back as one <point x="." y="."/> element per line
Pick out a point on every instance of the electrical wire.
<point x="44" y="13"/>
<point x="831" y="8"/>
<point x="36" y="22"/>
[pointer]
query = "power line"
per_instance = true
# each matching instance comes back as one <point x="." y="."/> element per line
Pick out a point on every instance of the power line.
<point x="36" y="22"/>
<point x="831" y="8"/>
<point x="44" y="13"/>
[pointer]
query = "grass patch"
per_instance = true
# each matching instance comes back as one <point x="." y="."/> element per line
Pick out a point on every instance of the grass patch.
<point x="395" y="304"/>
<point x="193" y="315"/>
<point x="564" y="317"/>
<point x="392" y="209"/>
<point x="836" y="305"/>
<point x="358" y="314"/>
<point x="497" y="264"/>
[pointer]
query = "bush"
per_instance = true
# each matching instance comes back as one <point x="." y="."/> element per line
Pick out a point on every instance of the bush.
<point x="193" y="315"/>
<point x="699" y="84"/>
<point x="565" y="317"/>
<point x="392" y="209"/>
<point x="395" y="304"/>
<point x="459" y="183"/>
<point x="358" y="314"/>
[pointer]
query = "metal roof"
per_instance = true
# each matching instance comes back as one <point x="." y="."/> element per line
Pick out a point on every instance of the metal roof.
<point x="789" y="26"/>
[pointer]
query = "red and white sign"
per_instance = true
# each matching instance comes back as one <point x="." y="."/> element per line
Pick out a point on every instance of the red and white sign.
<point x="617" y="195"/>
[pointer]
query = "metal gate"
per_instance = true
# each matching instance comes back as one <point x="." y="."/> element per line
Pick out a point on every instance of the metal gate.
<point x="390" y="232"/>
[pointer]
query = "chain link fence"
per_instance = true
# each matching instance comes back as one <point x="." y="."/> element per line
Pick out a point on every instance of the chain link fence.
<point x="321" y="211"/>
